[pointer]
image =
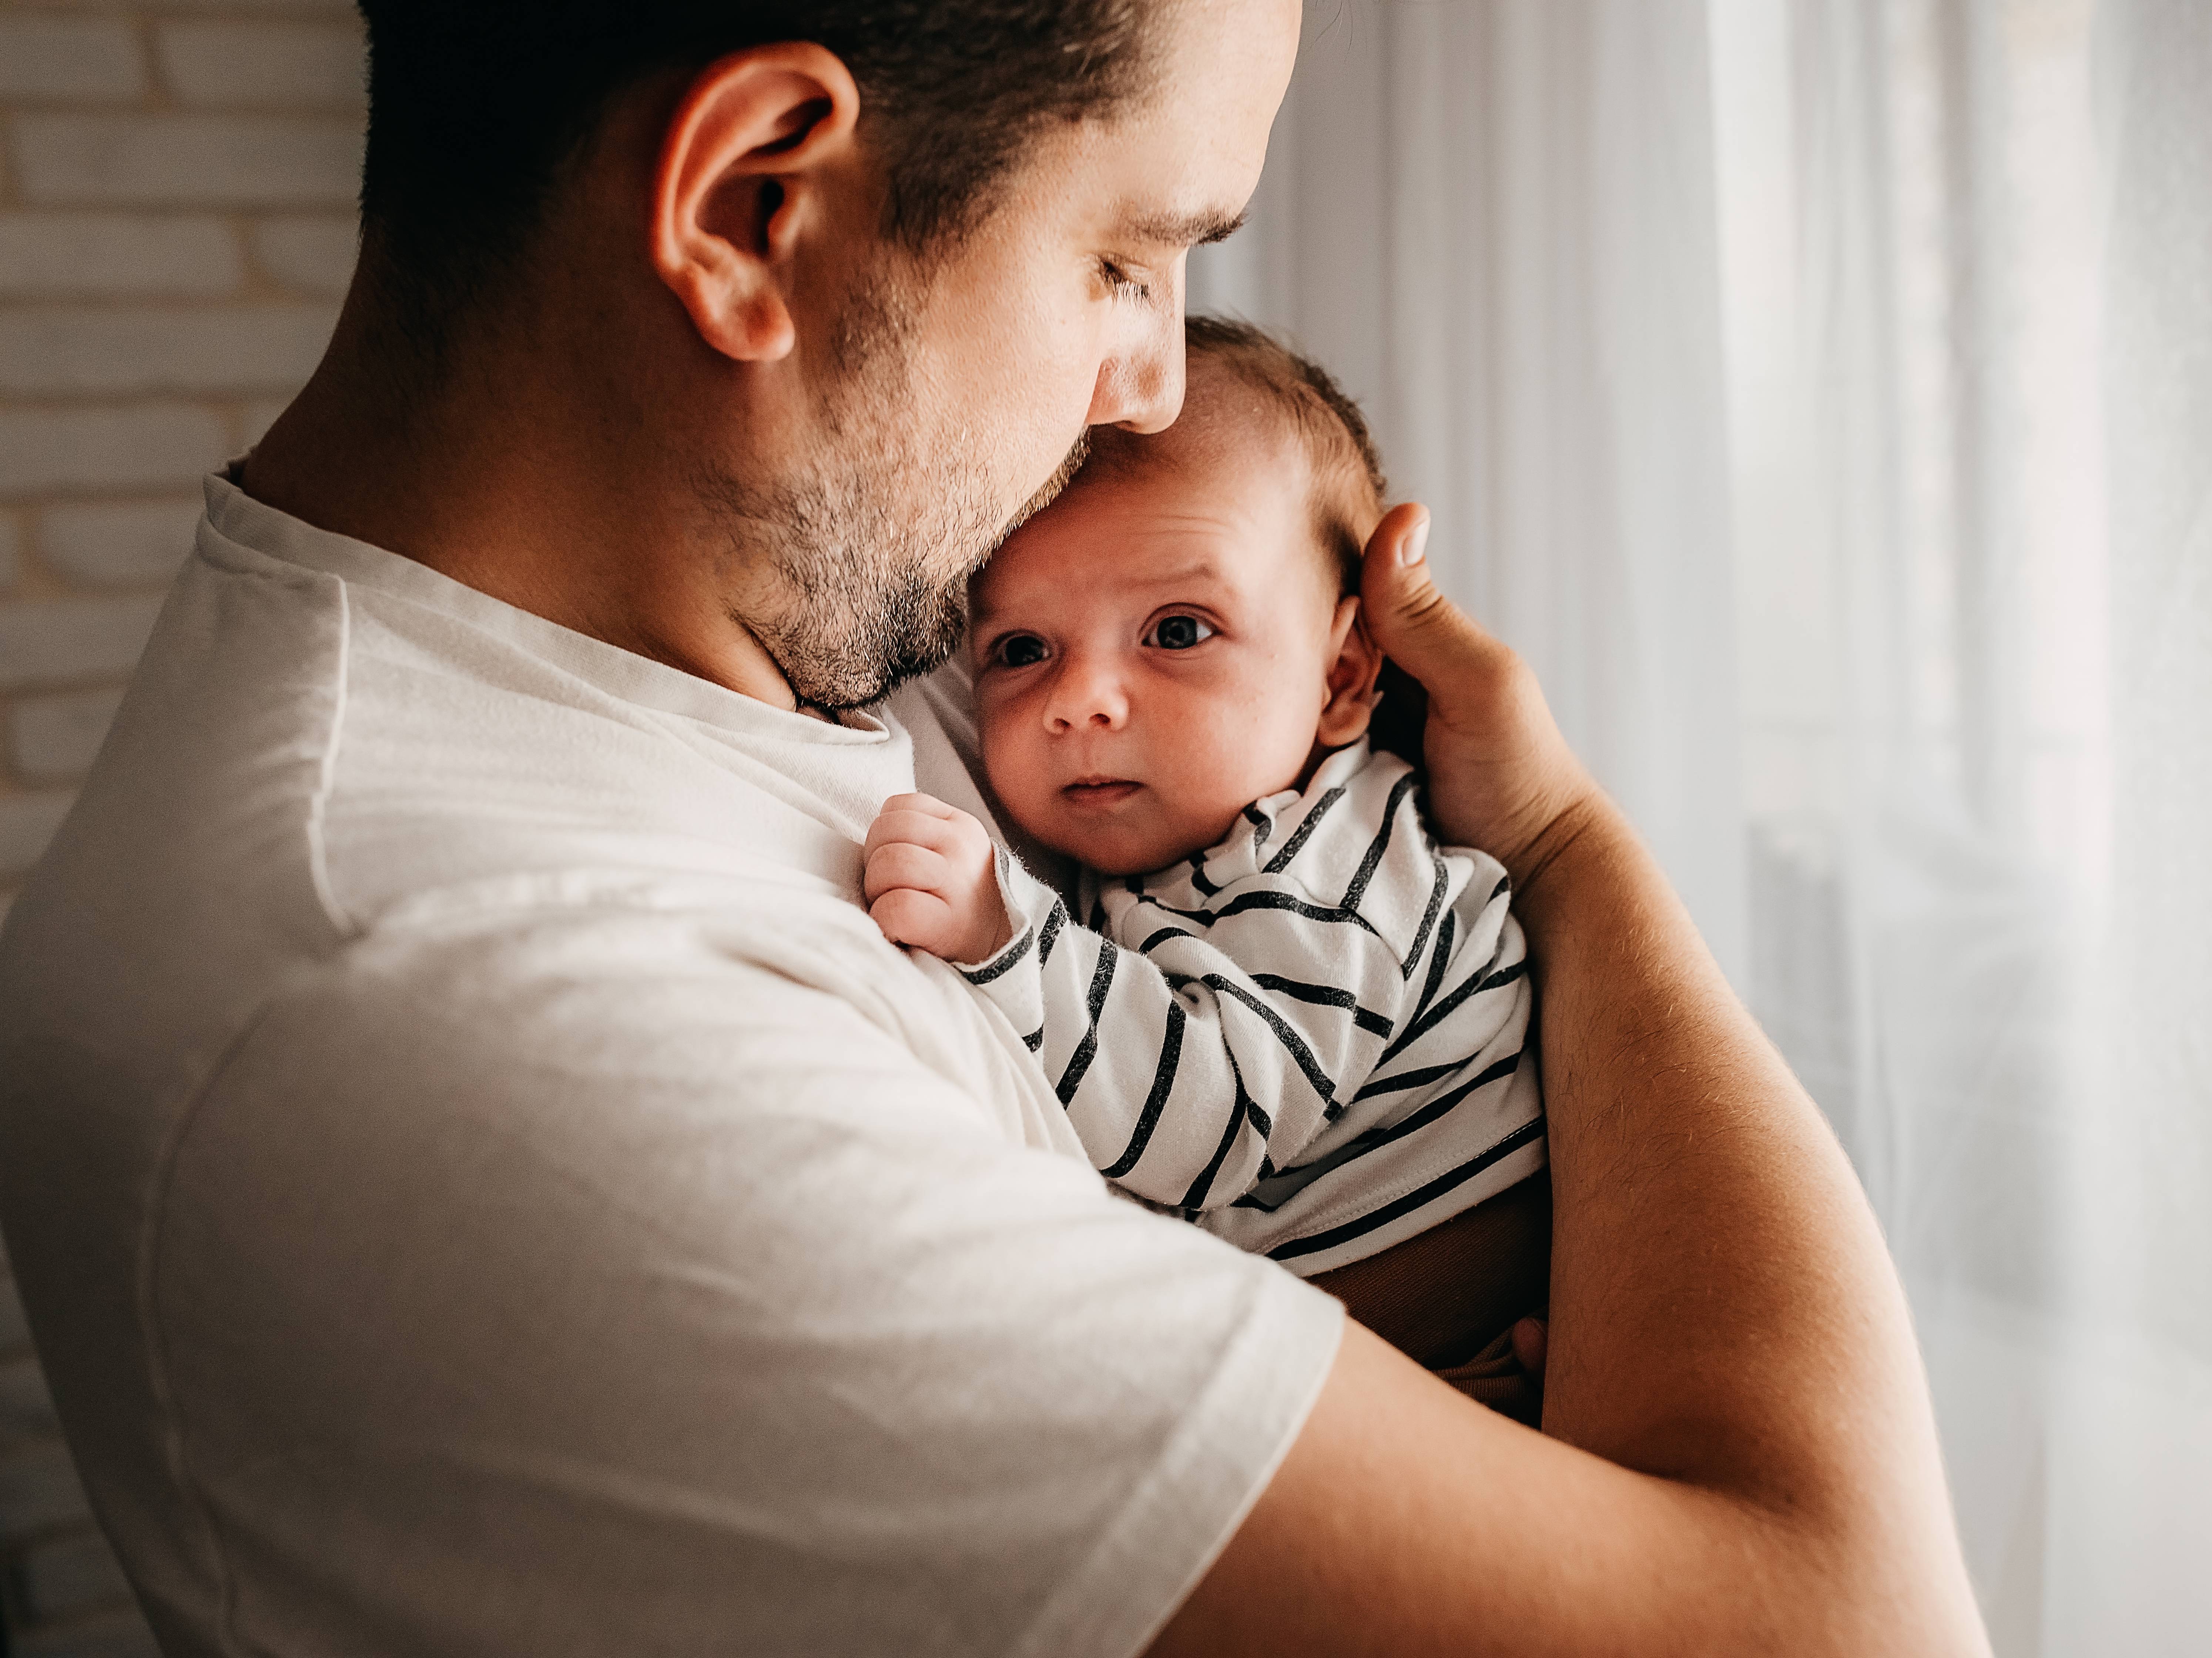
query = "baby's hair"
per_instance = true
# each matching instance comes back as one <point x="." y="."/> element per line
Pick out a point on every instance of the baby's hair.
<point x="1302" y="401"/>
<point x="1348" y="485"/>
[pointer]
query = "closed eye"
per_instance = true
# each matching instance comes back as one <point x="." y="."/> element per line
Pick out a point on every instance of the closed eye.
<point x="1125" y="285"/>
<point x="1179" y="633"/>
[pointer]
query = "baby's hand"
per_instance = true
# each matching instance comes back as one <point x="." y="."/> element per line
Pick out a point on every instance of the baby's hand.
<point x="932" y="880"/>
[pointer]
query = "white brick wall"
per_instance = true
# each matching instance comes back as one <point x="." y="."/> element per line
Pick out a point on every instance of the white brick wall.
<point x="176" y="180"/>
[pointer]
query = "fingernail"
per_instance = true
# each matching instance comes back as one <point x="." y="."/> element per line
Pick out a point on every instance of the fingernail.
<point x="1415" y="547"/>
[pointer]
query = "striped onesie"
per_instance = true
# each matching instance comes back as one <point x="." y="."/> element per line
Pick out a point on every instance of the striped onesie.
<point x="1313" y="1038"/>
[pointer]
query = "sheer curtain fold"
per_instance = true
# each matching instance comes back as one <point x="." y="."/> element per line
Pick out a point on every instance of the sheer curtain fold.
<point x="1819" y="392"/>
<point x="1494" y="222"/>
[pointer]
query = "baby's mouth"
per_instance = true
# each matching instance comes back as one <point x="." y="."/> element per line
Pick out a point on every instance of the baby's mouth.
<point x="1099" y="791"/>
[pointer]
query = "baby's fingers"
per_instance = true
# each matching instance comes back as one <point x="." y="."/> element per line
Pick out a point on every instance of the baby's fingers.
<point x="928" y="804"/>
<point x="896" y="824"/>
<point x="908" y="916"/>
<point x="903" y="864"/>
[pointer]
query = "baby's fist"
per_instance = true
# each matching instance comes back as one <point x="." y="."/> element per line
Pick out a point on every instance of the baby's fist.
<point x="932" y="880"/>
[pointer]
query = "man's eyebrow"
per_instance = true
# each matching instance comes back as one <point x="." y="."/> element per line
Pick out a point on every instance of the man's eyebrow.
<point x="1182" y="229"/>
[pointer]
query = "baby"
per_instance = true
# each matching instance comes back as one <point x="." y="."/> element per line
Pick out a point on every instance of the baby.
<point x="1286" y="1013"/>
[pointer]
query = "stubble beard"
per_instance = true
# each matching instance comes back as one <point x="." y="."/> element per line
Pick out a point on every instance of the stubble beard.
<point x="867" y="557"/>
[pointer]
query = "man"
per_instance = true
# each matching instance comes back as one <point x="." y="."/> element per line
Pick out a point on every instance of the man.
<point x="480" y="1183"/>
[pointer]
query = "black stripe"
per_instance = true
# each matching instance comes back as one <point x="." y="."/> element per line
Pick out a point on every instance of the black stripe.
<point x="1436" y="1188"/>
<point x="1162" y="937"/>
<point x="1034" y="1040"/>
<point x="1416" y="1121"/>
<point x="1505" y="975"/>
<point x="1261" y="1121"/>
<point x="1406" y="1080"/>
<point x="1050" y="936"/>
<point x="1206" y="889"/>
<point x="1196" y="1196"/>
<point x="1439" y="959"/>
<point x="1005" y="962"/>
<point x="1497" y="1071"/>
<point x="1504" y="884"/>
<point x="1087" y="1049"/>
<point x="1429" y="919"/>
<point x="1244" y="902"/>
<point x="1318" y="1079"/>
<point x="1381" y="844"/>
<point x="1323" y="996"/>
<point x="1164" y="1076"/>
<point x="1443" y="1009"/>
<point x="1305" y="833"/>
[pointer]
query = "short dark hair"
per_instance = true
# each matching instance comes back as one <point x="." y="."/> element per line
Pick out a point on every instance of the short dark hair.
<point x="475" y="105"/>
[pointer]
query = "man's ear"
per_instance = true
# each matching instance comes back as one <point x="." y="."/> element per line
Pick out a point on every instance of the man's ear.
<point x="1354" y="662"/>
<point x="742" y="176"/>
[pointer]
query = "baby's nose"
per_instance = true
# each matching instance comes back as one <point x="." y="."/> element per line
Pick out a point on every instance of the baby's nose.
<point x="1087" y="695"/>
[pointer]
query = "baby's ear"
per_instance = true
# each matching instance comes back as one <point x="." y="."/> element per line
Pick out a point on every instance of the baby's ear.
<point x="1354" y="663"/>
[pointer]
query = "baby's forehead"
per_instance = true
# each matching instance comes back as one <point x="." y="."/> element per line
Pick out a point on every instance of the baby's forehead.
<point x="1120" y="548"/>
<point x="1226" y="424"/>
<point x="1224" y="496"/>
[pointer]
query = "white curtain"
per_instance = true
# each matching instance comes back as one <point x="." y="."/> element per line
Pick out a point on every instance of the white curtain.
<point x="1819" y="393"/>
<point x="1494" y="223"/>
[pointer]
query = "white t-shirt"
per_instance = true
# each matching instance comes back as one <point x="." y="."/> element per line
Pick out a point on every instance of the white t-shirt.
<point x="481" y="1184"/>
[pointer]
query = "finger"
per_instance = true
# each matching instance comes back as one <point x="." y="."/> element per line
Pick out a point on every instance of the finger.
<point x="901" y="864"/>
<point x="928" y="804"/>
<point x="1531" y="1343"/>
<point x="1418" y="628"/>
<point x="914" y="828"/>
<point x="907" y="917"/>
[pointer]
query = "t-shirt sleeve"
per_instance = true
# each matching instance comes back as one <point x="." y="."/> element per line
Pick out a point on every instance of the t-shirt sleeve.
<point x="581" y="1287"/>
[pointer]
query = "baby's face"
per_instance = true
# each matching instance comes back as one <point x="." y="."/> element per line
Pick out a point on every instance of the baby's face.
<point x="1153" y="652"/>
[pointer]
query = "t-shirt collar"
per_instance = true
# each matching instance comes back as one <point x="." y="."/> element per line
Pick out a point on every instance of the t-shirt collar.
<point x="241" y="519"/>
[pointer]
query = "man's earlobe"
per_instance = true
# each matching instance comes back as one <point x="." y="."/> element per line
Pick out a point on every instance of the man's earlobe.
<point x="1354" y="663"/>
<point x="743" y="169"/>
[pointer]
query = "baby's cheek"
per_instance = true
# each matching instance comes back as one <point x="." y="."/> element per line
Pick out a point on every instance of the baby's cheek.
<point x="1225" y="756"/>
<point x="1273" y="740"/>
<point x="1016" y="769"/>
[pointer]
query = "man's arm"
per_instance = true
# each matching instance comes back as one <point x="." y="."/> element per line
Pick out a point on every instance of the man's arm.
<point x="1739" y="1454"/>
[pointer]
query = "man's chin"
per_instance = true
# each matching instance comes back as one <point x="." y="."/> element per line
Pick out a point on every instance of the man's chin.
<point x="1048" y="492"/>
<point x="840" y="681"/>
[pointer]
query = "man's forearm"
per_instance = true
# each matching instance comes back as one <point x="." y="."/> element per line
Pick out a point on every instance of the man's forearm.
<point x="1723" y="1310"/>
<point x="1751" y="1464"/>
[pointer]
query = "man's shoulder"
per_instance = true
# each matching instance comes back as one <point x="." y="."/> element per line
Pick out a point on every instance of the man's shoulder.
<point x="608" y="978"/>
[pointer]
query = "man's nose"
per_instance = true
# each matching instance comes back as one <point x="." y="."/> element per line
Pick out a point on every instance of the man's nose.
<point x="1086" y="696"/>
<point x="1140" y="382"/>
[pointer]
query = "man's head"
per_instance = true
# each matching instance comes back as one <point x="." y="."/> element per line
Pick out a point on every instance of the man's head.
<point x="843" y="284"/>
<point x="478" y="111"/>
<point x="1178" y="635"/>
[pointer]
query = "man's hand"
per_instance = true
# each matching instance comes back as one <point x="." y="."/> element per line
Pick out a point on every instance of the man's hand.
<point x="932" y="880"/>
<point x="1500" y="776"/>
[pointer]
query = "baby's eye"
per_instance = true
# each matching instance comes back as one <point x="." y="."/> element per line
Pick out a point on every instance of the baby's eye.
<point x="1020" y="651"/>
<point x="1179" y="633"/>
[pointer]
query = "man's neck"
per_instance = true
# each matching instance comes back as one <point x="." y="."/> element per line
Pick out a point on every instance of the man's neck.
<point x="505" y="473"/>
